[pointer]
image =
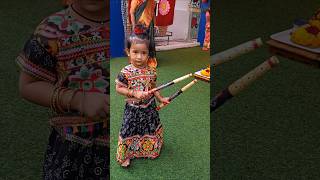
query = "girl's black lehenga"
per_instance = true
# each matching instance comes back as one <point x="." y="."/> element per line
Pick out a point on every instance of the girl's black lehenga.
<point x="141" y="133"/>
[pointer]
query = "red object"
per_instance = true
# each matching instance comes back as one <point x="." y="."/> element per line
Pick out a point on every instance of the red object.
<point x="129" y="16"/>
<point x="165" y="12"/>
<point x="194" y="22"/>
<point x="313" y="30"/>
<point x="139" y="30"/>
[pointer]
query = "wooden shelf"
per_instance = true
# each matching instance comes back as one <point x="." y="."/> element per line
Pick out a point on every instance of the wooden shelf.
<point x="294" y="53"/>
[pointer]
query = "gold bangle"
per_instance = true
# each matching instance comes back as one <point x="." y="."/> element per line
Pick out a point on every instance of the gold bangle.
<point x="82" y="103"/>
<point x="73" y="93"/>
<point x="132" y="95"/>
<point x="60" y="100"/>
<point x="53" y="99"/>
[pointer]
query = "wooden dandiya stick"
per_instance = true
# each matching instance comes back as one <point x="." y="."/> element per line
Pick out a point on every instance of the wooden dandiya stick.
<point x="170" y="83"/>
<point x="231" y="53"/>
<point x="242" y="83"/>
<point x="176" y="94"/>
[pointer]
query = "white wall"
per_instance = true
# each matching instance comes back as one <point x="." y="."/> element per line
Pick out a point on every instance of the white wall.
<point x="180" y="24"/>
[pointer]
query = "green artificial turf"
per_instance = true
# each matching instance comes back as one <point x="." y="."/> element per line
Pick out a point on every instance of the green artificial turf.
<point x="185" y="154"/>
<point x="23" y="126"/>
<point x="270" y="130"/>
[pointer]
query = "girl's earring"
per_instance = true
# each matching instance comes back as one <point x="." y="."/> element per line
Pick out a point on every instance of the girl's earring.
<point x="127" y="52"/>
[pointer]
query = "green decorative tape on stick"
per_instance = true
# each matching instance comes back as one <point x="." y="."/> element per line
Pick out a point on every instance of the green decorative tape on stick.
<point x="176" y="94"/>
<point x="234" y="52"/>
<point x="242" y="83"/>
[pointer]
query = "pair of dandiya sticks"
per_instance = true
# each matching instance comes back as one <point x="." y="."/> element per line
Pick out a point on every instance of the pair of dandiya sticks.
<point x="176" y="94"/>
<point x="242" y="83"/>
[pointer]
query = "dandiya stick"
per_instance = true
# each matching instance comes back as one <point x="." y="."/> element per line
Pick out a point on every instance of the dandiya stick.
<point x="176" y="94"/>
<point x="170" y="83"/>
<point x="242" y="83"/>
<point x="232" y="53"/>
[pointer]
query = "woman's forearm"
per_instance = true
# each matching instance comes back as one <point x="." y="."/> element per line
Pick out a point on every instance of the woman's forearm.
<point x="133" y="20"/>
<point x="132" y="11"/>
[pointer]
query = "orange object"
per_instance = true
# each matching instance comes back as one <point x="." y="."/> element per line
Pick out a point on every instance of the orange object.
<point x="152" y="62"/>
<point x="67" y="2"/>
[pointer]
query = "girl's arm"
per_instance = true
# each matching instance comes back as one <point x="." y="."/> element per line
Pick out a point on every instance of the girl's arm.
<point x="159" y="97"/>
<point x="122" y="90"/>
<point x="131" y="93"/>
<point x="40" y="92"/>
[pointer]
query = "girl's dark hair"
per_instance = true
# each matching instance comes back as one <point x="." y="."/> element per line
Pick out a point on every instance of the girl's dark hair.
<point x="139" y="35"/>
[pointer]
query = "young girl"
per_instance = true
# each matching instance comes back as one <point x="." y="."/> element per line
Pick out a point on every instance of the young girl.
<point x="65" y="66"/>
<point x="142" y="13"/>
<point x="141" y="132"/>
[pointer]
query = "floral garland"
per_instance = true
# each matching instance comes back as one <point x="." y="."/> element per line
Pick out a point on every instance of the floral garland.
<point x="164" y="7"/>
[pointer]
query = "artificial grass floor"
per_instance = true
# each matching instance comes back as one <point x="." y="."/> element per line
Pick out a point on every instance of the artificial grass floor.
<point x="186" y="150"/>
<point x="24" y="126"/>
<point x="270" y="130"/>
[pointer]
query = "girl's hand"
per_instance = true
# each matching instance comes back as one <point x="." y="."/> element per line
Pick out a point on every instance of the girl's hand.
<point x="164" y="100"/>
<point x="92" y="104"/>
<point x="141" y="95"/>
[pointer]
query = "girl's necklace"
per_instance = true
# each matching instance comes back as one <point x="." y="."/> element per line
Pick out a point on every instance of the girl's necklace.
<point x="92" y="20"/>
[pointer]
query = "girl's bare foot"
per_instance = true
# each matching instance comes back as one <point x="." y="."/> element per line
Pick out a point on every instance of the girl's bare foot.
<point x="126" y="163"/>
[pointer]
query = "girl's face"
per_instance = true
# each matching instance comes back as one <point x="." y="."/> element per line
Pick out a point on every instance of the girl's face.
<point x="93" y="5"/>
<point x="139" y="55"/>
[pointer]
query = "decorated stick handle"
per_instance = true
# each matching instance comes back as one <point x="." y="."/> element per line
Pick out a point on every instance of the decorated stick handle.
<point x="220" y="99"/>
<point x="242" y="83"/>
<point x="171" y="83"/>
<point x="231" y="53"/>
<point x="253" y="75"/>
<point x="176" y="94"/>
<point x="189" y="85"/>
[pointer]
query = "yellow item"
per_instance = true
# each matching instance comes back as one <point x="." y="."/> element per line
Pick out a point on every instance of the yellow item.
<point x="205" y="72"/>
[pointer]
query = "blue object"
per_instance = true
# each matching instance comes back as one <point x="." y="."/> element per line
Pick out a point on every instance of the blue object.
<point x="116" y="30"/>
<point x="299" y="22"/>
<point x="202" y="23"/>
